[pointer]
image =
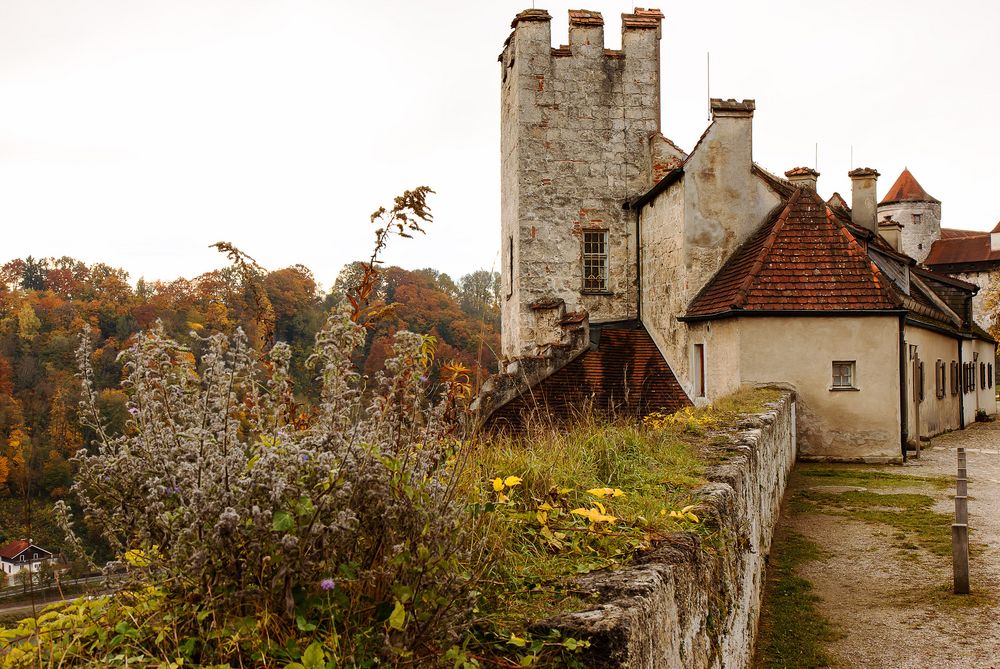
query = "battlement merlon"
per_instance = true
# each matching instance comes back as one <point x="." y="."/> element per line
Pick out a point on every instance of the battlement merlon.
<point x="641" y="32"/>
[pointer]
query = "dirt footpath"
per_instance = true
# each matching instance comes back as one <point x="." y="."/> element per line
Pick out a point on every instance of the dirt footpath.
<point x="885" y="586"/>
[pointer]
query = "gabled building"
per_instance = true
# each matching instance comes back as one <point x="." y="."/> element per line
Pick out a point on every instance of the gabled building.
<point x="20" y="555"/>
<point x="639" y="277"/>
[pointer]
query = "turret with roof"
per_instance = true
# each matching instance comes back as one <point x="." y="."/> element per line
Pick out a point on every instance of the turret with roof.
<point x="916" y="210"/>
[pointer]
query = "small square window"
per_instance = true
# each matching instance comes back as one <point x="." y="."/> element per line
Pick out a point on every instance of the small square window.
<point x="916" y="219"/>
<point x="595" y="261"/>
<point x="844" y="375"/>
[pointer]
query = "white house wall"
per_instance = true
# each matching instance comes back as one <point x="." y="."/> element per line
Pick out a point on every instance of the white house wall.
<point x="858" y="425"/>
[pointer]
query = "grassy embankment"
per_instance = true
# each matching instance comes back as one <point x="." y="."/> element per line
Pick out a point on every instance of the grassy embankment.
<point x="588" y="498"/>
<point x="554" y="503"/>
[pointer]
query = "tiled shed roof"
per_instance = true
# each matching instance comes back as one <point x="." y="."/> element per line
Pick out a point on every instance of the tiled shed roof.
<point x="13" y="549"/>
<point x="949" y="233"/>
<point x="804" y="259"/>
<point x="907" y="189"/>
<point x="966" y="252"/>
<point x="624" y="376"/>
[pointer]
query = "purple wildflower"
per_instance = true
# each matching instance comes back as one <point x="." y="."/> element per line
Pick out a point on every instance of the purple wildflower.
<point x="423" y="379"/>
<point x="134" y="411"/>
<point x="327" y="584"/>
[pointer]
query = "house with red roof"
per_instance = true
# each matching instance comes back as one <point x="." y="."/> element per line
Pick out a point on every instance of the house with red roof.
<point x="638" y="277"/>
<point x="22" y="555"/>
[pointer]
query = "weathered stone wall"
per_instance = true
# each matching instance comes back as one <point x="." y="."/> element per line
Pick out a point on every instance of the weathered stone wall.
<point x="695" y="225"/>
<point x="575" y="128"/>
<point x="682" y="605"/>
<point x="981" y="279"/>
<point x="917" y="237"/>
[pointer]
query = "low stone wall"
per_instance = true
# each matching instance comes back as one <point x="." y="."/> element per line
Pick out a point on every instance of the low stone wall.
<point x="692" y="605"/>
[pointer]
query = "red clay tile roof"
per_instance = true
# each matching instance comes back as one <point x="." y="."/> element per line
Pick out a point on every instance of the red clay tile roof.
<point x="948" y="233"/>
<point x="624" y="376"/>
<point x="804" y="259"/>
<point x="906" y="189"/>
<point x="970" y="252"/>
<point x="12" y="549"/>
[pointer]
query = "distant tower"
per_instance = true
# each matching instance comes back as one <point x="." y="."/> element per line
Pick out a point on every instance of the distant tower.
<point x="576" y="124"/>
<point x="919" y="214"/>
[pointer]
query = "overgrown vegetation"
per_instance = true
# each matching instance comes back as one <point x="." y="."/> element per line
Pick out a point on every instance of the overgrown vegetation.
<point x="358" y="525"/>
<point x="584" y="498"/>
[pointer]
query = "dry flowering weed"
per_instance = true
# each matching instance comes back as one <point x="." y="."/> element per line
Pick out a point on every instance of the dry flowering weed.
<point x="347" y="522"/>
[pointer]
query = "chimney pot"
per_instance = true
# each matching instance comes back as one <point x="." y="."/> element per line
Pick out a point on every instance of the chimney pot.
<point x="864" y="213"/>
<point x="803" y="177"/>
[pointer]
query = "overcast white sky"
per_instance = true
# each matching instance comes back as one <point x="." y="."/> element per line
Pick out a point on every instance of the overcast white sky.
<point x="138" y="132"/>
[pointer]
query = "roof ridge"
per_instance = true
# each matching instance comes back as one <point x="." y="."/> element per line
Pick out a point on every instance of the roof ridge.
<point x="877" y="276"/>
<point x="765" y="248"/>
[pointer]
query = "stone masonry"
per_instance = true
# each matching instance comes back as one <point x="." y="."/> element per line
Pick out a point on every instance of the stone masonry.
<point x="576" y="126"/>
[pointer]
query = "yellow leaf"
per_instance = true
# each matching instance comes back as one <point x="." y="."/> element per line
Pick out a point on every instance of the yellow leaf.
<point x="512" y="481"/>
<point x="601" y="492"/>
<point x="544" y="506"/>
<point x="397" y="619"/>
<point x="601" y="507"/>
<point x="516" y="641"/>
<point x="542" y="517"/>
<point x="502" y="498"/>
<point x="498" y="484"/>
<point x="594" y="516"/>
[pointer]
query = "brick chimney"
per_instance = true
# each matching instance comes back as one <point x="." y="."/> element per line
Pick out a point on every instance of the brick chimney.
<point x="863" y="198"/>
<point x="803" y="177"/>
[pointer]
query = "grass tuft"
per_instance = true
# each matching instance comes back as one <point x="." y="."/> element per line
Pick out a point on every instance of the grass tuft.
<point x="792" y="631"/>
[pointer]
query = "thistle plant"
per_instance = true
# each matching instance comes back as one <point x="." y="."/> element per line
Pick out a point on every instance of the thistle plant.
<point x="342" y="525"/>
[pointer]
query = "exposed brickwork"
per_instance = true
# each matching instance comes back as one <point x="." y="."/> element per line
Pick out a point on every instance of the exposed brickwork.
<point x="624" y="376"/>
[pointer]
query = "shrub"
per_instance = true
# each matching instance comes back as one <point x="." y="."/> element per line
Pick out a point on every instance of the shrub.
<point x="333" y="532"/>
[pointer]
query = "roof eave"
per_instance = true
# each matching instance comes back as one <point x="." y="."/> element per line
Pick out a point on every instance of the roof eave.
<point x="663" y="184"/>
<point x="759" y="313"/>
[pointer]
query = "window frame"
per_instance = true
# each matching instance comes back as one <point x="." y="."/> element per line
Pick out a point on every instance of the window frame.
<point x="939" y="379"/>
<point x="954" y="378"/>
<point x="604" y="257"/>
<point x="851" y="378"/>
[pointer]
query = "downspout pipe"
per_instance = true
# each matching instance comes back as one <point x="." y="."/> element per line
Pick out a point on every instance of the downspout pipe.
<point x="903" y="423"/>
<point x="961" y="387"/>
<point x="638" y="266"/>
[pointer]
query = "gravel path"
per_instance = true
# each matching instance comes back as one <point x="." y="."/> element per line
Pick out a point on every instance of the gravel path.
<point x="895" y="607"/>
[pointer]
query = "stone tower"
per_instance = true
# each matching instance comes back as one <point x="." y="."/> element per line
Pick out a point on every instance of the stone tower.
<point x="576" y="127"/>
<point x="911" y="206"/>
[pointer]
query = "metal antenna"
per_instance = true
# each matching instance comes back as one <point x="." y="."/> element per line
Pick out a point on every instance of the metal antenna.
<point x="708" y="82"/>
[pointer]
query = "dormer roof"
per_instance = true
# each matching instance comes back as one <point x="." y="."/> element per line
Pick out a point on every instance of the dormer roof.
<point x="907" y="189"/>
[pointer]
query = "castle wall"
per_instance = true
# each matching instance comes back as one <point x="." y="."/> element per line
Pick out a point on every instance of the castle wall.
<point x="981" y="279"/>
<point x="916" y="237"/>
<point x="575" y="125"/>
<point x="682" y="605"/>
